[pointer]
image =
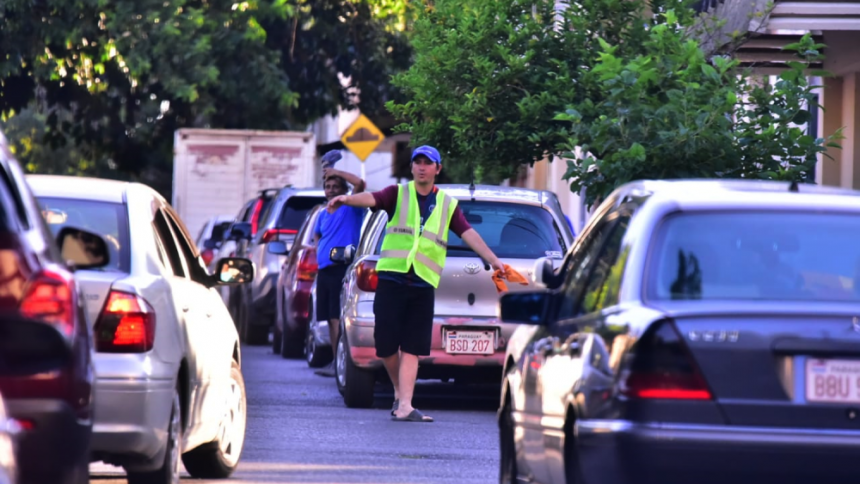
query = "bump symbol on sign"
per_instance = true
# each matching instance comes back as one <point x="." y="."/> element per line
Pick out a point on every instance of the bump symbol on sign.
<point x="362" y="137"/>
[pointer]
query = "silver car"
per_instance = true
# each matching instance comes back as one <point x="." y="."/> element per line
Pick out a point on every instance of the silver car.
<point x="167" y="357"/>
<point x="521" y="226"/>
<point x="279" y="222"/>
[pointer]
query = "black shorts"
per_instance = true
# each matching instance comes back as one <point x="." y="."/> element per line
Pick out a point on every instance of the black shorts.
<point x="329" y="285"/>
<point x="404" y="318"/>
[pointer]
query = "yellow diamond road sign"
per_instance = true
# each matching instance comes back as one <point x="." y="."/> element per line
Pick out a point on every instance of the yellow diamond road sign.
<point x="362" y="137"/>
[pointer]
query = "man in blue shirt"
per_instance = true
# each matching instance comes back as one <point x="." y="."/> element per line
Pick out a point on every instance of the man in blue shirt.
<point x="338" y="229"/>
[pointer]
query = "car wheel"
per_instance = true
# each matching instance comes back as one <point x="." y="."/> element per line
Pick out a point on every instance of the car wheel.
<point x="316" y="356"/>
<point x="217" y="460"/>
<point x="169" y="471"/>
<point x="255" y="334"/>
<point x="507" y="446"/>
<point x="80" y="474"/>
<point x="276" y="339"/>
<point x="354" y="383"/>
<point x="572" y="471"/>
<point x="292" y="343"/>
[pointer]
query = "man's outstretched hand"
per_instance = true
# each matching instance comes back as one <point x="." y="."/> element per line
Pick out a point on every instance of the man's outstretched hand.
<point x="336" y="202"/>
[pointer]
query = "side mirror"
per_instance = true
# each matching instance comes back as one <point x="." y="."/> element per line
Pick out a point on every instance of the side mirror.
<point x="234" y="270"/>
<point x="342" y="254"/>
<point x="239" y="231"/>
<point x="525" y="307"/>
<point x="543" y="272"/>
<point x="81" y="249"/>
<point x="277" y="247"/>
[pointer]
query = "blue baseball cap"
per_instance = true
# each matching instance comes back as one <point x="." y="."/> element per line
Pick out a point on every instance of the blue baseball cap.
<point x="428" y="151"/>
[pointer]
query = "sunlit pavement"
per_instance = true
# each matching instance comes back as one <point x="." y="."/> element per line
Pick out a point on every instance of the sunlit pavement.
<point x="300" y="431"/>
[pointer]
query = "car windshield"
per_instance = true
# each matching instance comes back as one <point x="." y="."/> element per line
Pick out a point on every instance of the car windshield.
<point x="511" y="230"/>
<point x="295" y="211"/>
<point x="757" y="256"/>
<point x="110" y="220"/>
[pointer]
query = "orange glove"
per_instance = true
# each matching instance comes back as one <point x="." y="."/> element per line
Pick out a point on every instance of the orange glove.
<point x="511" y="275"/>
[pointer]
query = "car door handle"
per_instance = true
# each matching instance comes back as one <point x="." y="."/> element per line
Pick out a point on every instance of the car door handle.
<point x="185" y="309"/>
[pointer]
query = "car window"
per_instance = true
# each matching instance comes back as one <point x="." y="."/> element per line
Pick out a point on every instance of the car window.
<point x="511" y="230"/>
<point x="768" y="255"/>
<point x="110" y="220"/>
<point x="601" y="289"/>
<point x="195" y="269"/>
<point x="295" y="210"/>
<point x="581" y="263"/>
<point x="306" y="234"/>
<point x="168" y="243"/>
<point x="15" y="194"/>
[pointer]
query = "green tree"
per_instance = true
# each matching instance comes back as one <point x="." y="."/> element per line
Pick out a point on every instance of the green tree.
<point x="489" y="75"/>
<point x="673" y="112"/>
<point x="128" y="73"/>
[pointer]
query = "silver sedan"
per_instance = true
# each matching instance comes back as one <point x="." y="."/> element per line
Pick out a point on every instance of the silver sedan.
<point x="167" y="359"/>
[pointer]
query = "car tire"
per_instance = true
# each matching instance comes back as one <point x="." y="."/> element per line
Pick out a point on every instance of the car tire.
<point x="168" y="473"/>
<point x="79" y="474"/>
<point x="507" y="447"/>
<point x="316" y="356"/>
<point x="572" y="470"/>
<point x="354" y="383"/>
<point x="218" y="459"/>
<point x="276" y="339"/>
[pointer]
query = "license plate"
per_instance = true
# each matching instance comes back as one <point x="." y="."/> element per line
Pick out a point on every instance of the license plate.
<point x="835" y="381"/>
<point x="470" y="342"/>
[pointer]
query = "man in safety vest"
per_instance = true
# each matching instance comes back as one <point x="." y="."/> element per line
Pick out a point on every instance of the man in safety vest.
<point x="410" y="266"/>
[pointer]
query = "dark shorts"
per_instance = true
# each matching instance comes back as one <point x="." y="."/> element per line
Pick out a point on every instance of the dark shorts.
<point x="329" y="285"/>
<point x="404" y="318"/>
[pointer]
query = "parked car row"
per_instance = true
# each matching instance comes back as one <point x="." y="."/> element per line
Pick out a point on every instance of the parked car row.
<point x="114" y="344"/>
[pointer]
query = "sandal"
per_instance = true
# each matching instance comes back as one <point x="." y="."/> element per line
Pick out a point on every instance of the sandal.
<point x="414" y="416"/>
<point x="395" y="407"/>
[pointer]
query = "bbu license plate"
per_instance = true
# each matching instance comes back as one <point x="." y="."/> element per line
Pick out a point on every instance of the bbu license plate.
<point x="835" y="381"/>
<point x="470" y="342"/>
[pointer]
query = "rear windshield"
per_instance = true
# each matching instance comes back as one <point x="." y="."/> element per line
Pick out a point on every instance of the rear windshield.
<point x="757" y="256"/>
<point x="511" y="230"/>
<point x="295" y="211"/>
<point x="110" y="220"/>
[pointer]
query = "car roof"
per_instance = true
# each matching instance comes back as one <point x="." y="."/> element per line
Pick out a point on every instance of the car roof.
<point x="307" y="191"/>
<point x="752" y="193"/>
<point x="85" y="188"/>
<point x="493" y="192"/>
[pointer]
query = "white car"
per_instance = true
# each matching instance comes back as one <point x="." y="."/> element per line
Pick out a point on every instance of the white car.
<point x="166" y="351"/>
<point x="8" y="431"/>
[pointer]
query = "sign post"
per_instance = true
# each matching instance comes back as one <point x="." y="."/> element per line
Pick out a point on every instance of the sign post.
<point x="361" y="138"/>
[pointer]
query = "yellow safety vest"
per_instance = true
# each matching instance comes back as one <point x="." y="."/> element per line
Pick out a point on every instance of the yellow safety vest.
<point x="403" y="247"/>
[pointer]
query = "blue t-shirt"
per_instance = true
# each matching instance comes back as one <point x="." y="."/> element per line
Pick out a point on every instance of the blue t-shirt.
<point x="338" y="229"/>
<point x="426" y="204"/>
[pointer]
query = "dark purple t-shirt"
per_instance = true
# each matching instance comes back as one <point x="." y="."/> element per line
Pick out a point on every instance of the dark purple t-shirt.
<point x="386" y="199"/>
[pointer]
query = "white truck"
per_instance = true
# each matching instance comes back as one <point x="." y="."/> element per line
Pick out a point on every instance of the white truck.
<point x="216" y="171"/>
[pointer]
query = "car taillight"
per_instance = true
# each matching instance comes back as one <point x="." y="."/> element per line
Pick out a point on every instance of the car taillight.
<point x="126" y="325"/>
<point x="50" y="297"/>
<point x="366" y="277"/>
<point x="207" y="256"/>
<point x="663" y="368"/>
<point x="255" y="216"/>
<point x="307" y="269"/>
<point x="272" y="235"/>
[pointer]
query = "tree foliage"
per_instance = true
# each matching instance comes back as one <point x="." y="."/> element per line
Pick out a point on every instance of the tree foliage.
<point x="672" y="112"/>
<point x="121" y="76"/>
<point x="622" y="89"/>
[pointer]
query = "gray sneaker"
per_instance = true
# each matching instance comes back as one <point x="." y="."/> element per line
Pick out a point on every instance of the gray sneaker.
<point x="327" y="370"/>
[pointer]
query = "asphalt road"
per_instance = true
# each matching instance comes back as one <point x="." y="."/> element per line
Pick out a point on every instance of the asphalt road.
<point x="300" y="431"/>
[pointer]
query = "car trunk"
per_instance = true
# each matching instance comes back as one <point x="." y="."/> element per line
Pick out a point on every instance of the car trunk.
<point x="791" y="368"/>
<point x="467" y="287"/>
<point x="95" y="288"/>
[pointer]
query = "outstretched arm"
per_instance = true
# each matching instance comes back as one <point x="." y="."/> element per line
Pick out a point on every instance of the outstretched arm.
<point x="363" y="200"/>
<point x="473" y="239"/>
<point x="357" y="183"/>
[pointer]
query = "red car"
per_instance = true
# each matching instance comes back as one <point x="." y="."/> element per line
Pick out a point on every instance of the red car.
<point x="46" y="375"/>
